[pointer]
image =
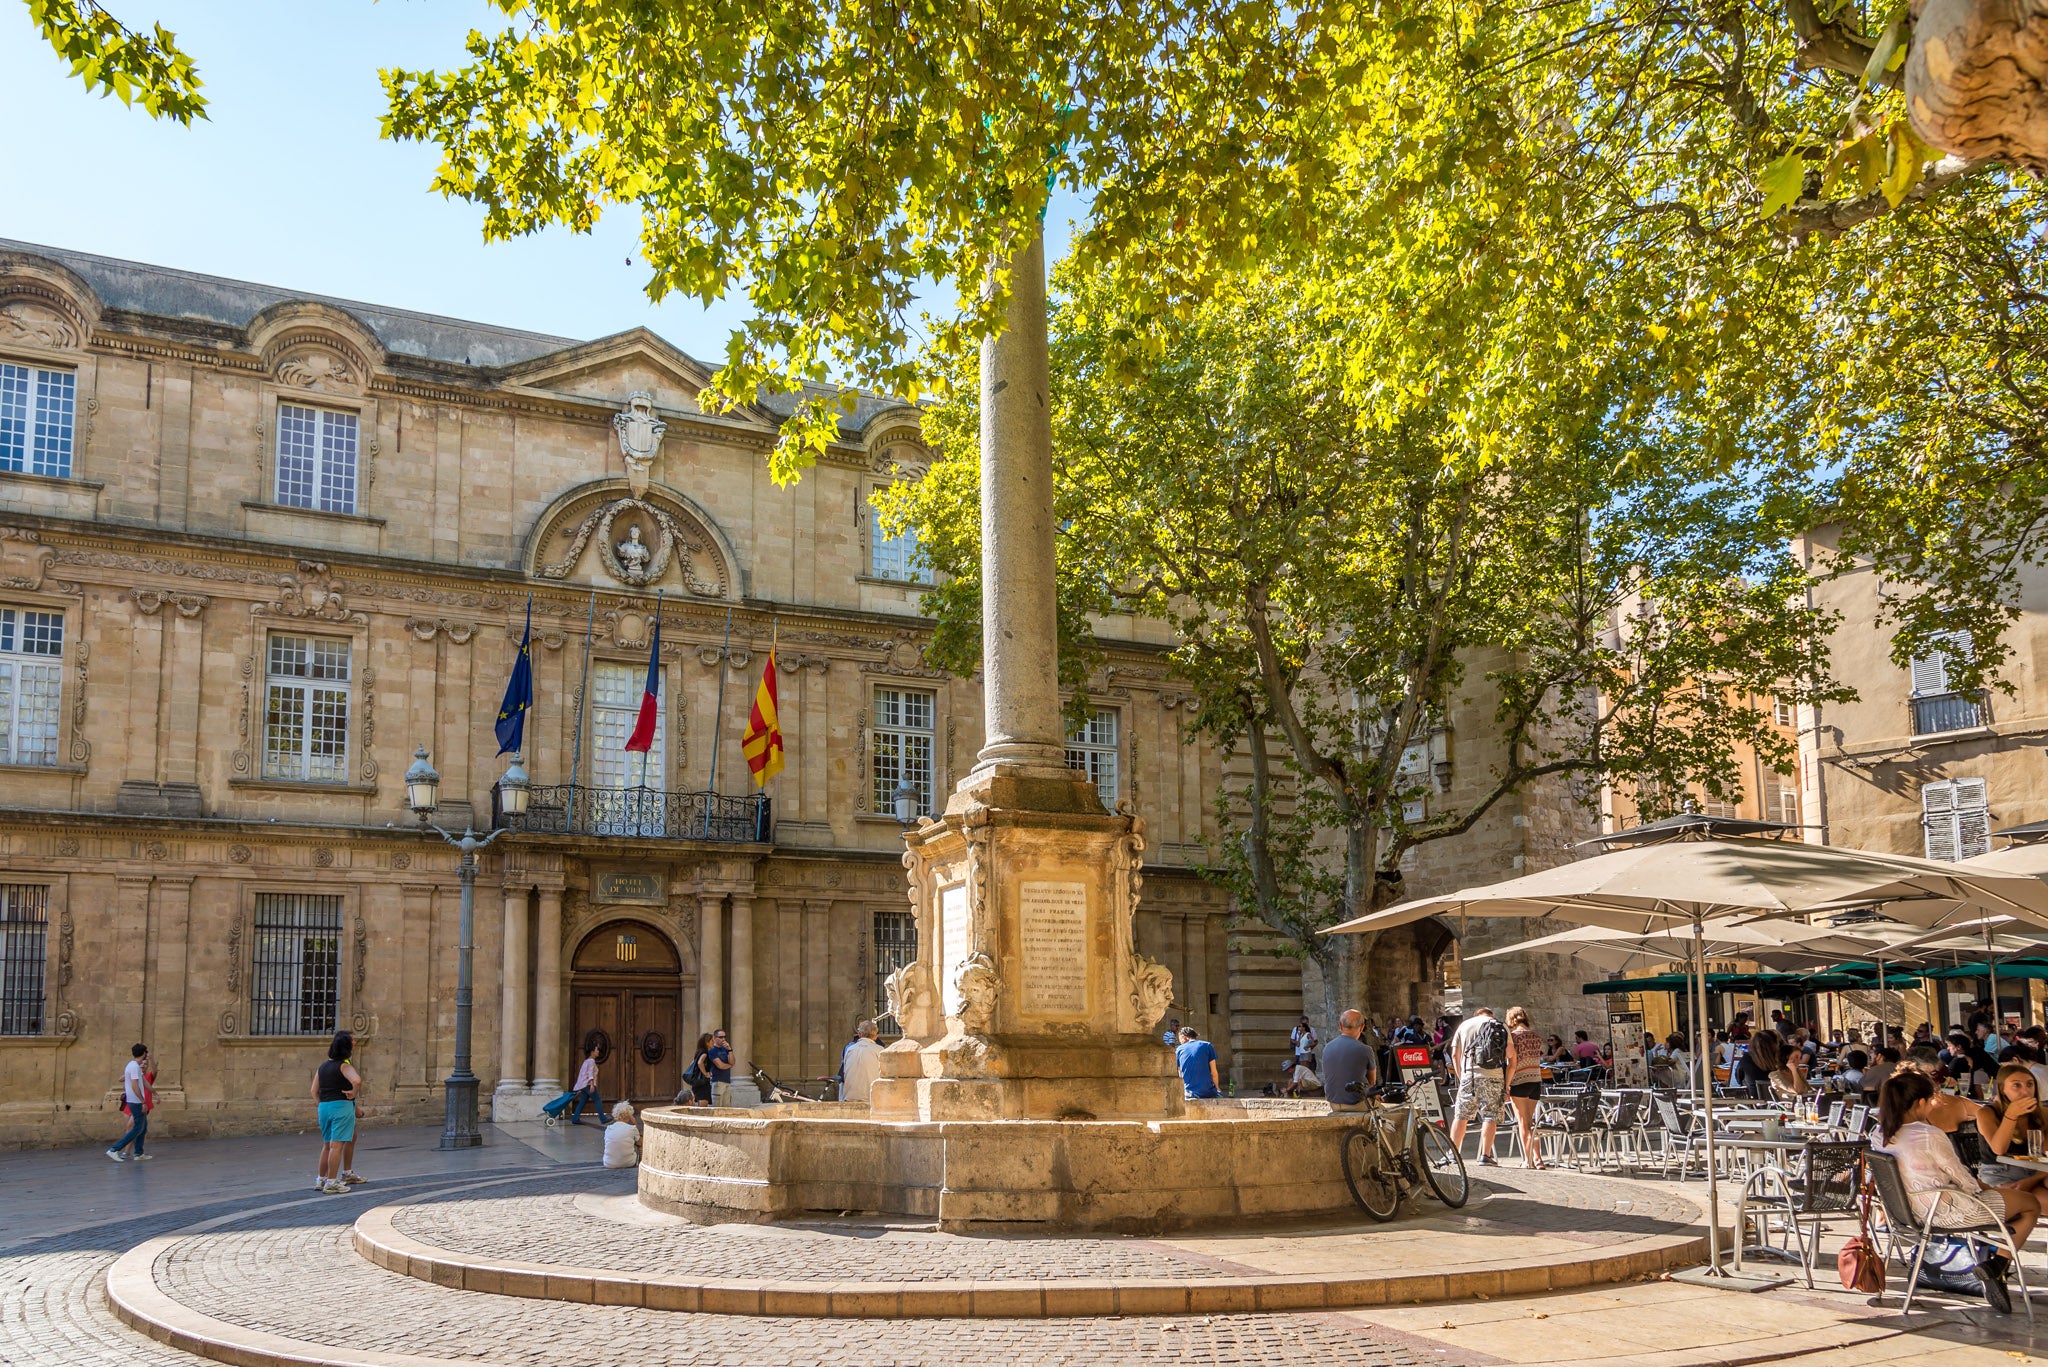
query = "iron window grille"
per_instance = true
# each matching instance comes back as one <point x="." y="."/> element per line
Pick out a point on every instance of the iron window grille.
<point x="31" y="685"/>
<point x="316" y="458"/>
<point x="902" y="745"/>
<point x="38" y="410"/>
<point x="295" y="981"/>
<point x="305" y="713"/>
<point x="895" y="947"/>
<point x="24" y="950"/>
<point x="1093" y="750"/>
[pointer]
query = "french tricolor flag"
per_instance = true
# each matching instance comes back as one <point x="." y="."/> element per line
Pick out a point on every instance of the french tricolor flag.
<point x="642" y="739"/>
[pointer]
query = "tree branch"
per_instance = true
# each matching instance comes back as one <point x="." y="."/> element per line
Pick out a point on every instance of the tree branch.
<point x="1838" y="216"/>
<point x="1828" y="45"/>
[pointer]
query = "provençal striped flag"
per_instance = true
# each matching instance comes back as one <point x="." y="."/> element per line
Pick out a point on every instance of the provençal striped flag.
<point x="762" y="741"/>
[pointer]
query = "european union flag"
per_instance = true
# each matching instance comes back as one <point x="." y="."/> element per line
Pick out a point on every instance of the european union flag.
<point x="518" y="691"/>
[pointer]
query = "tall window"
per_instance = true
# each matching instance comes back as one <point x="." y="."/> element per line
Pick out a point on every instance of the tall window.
<point x="305" y="714"/>
<point x="24" y="929"/>
<point x="1781" y="802"/>
<point x="1093" y="750"/>
<point x="620" y="807"/>
<point x="1957" y="816"/>
<point x="1937" y="706"/>
<point x="895" y="946"/>
<point x="902" y="745"/>
<point x="37" y="408"/>
<point x="1783" y="713"/>
<point x="316" y="458"/>
<point x="31" y="684"/>
<point x="894" y="557"/>
<point x="295" y="985"/>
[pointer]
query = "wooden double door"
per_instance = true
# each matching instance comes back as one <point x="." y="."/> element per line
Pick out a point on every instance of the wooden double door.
<point x="627" y="992"/>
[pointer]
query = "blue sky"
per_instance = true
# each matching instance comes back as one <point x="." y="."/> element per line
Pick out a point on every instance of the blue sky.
<point x="289" y="184"/>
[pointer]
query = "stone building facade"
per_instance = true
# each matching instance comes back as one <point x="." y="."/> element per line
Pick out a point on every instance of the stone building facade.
<point x="256" y="547"/>
<point x="1913" y="766"/>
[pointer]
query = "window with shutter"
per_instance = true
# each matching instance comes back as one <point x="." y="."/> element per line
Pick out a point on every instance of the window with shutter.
<point x="1930" y="674"/>
<point x="1956" y="815"/>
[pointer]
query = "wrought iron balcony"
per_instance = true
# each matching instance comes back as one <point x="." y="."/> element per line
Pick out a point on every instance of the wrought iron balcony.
<point x="1940" y="712"/>
<point x="642" y="813"/>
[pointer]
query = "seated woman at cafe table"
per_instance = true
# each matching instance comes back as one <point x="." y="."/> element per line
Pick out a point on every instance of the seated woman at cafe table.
<point x="2005" y="1121"/>
<point x="1931" y="1171"/>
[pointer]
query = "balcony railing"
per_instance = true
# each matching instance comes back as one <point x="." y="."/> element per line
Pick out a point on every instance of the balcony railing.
<point x="1940" y="712"/>
<point x="643" y="813"/>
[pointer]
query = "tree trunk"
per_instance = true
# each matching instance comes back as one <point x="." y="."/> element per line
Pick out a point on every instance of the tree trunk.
<point x="1977" y="79"/>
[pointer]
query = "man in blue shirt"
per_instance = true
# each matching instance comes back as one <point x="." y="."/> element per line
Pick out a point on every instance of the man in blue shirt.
<point x="1196" y="1057"/>
<point x="719" y="1056"/>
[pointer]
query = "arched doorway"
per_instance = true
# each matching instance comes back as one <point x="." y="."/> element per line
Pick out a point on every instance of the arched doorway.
<point x="626" y="983"/>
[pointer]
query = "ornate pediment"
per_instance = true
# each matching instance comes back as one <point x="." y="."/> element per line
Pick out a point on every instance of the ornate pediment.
<point x="314" y="346"/>
<point x="632" y="362"/>
<point x="616" y="536"/>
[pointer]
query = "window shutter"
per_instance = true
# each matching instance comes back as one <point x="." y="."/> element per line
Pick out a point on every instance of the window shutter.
<point x="1973" y="817"/>
<point x="1930" y="674"/>
<point x="1937" y="817"/>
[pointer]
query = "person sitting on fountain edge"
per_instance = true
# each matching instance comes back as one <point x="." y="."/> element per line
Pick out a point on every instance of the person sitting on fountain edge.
<point x="1196" y="1058"/>
<point x="1348" y="1068"/>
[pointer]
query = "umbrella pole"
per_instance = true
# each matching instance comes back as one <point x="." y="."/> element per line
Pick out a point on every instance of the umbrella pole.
<point x="1997" y="1016"/>
<point x="1699" y="956"/>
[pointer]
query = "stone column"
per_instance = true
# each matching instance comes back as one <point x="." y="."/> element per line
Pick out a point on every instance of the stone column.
<point x="1019" y="617"/>
<point x="513" y="1033"/>
<point x="547" y="995"/>
<point x="711" y="962"/>
<point x="741" y="1027"/>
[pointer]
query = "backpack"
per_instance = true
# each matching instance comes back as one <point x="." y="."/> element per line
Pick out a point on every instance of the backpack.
<point x="1490" y="1045"/>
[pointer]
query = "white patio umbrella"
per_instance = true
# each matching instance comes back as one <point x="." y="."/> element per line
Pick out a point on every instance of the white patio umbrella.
<point x="1690" y="882"/>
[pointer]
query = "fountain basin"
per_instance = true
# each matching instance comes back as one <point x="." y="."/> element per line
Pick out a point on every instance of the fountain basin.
<point x="1231" y="1162"/>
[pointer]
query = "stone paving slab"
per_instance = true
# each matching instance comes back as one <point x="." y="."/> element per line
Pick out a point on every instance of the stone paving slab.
<point x="584" y="1240"/>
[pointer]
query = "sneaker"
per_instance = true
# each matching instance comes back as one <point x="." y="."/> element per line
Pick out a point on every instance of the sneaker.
<point x="117" y="1155"/>
<point x="1487" y="1160"/>
<point x="334" y="1189"/>
<point x="353" y="1179"/>
<point x="143" y="1157"/>
<point x="1995" y="1294"/>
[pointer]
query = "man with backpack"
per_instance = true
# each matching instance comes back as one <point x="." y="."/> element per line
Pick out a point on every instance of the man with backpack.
<point x="1480" y="1052"/>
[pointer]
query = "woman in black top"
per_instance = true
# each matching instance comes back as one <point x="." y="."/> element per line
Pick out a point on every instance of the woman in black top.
<point x="335" y="1083"/>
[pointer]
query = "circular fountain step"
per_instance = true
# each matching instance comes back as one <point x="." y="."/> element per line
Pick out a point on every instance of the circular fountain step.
<point x="589" y="1240"/>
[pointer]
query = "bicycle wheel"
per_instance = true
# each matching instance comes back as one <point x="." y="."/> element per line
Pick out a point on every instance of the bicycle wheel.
<point x="1369" y="1175"/>
<point x="1443" y="1168"/>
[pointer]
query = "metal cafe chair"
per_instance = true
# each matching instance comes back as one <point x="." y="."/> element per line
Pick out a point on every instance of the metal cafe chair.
<point x="1822" y="1186"/>
<point x="1905" y="1229"/>
<point x="1682" y="1138"/>
<point x="1577" y="1129"/>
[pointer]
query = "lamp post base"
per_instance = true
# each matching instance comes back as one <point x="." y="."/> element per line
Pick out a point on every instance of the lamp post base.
<point x="460" y="1130"/>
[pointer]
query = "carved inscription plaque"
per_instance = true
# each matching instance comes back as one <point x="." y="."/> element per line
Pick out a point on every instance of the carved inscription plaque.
<point x="953" y="945"/>
<point x="1053" y="930"/>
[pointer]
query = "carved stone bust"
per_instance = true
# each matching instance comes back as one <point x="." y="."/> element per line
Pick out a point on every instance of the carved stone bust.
<point x="633" y="556"/>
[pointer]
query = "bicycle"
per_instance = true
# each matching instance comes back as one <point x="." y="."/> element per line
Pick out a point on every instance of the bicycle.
<point x="1397" y="1149"/>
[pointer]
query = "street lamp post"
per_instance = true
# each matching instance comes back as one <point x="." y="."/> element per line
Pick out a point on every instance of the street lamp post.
<point x="422" y="793"/>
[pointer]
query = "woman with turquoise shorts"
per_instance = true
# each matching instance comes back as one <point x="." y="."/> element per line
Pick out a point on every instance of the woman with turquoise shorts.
<point x="334" y="1087"/>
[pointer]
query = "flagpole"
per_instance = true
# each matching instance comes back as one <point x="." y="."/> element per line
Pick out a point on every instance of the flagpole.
<point x="657" y="721"/>
<point x="582" y="696"/>
<point x="717" y="722"/>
